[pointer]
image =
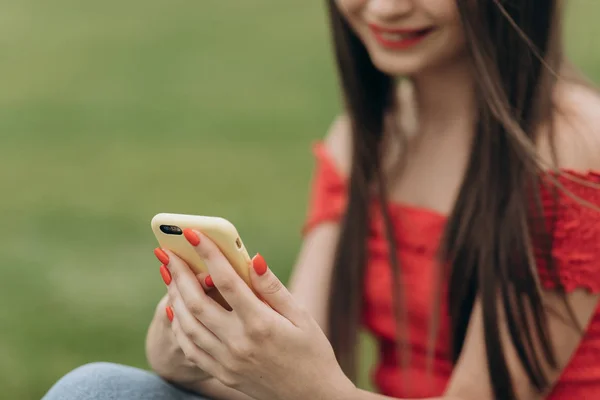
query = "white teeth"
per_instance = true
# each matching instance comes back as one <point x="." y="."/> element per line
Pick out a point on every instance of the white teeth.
<point x="397" y="37"/>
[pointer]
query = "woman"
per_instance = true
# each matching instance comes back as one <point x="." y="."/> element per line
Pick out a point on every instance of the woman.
<point x="455" y="214"/>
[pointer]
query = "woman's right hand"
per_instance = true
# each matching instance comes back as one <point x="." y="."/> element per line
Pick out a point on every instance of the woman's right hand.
<point x="168" y="360"/>
<point x="164" y="354"/>
<point x="162" y="349"/>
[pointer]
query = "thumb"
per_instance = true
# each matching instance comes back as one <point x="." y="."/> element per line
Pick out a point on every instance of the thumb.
<point x="272" y="290"/>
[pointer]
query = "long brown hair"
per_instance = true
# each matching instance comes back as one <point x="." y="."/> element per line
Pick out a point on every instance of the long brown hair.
<point x="516" y="52"/>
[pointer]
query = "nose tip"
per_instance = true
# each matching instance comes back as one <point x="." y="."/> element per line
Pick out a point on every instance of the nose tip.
<point x="390" y="9"/>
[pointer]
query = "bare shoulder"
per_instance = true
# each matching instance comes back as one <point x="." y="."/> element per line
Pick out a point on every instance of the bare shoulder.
<point x="339" y="143"/>
<point x="577" y="127"/>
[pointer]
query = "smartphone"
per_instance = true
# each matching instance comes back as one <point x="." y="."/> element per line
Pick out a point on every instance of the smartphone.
<point x="168" y="230"/>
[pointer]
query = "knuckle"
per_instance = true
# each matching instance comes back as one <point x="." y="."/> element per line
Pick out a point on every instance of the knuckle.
<point x="259" y="330"/>
<point x="197" y="308"/>
<point x="185" y="331"/>
<point x="273" y="286"/>
<point x="175" y="272"/>
<point x="189" y="363"/>
<point x="239" y="350"/>
<point x="191" y="358"/>
<point x="228" y="364"/>
<point x="304" y="314"/>
<point x="207" y="251"/>
<point x="196" y="359"/>
<point x="226" y="285"/>
<point x="229" y="381"/>
<point x="196" y="337"/>
<point x="190" y="355"/>
<point x="227" y="378"/>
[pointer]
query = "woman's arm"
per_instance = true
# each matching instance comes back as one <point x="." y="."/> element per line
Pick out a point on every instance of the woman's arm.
<point x="470" y="379"/>
<point x="311" y="278"/>
<point x="310" y="282"/>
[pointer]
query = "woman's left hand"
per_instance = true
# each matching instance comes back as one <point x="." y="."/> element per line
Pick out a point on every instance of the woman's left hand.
<point x="269" y="352"/>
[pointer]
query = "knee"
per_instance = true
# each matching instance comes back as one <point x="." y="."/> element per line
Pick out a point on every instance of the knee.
<point x="100" y="380"/>
<point x="96" y="372"/>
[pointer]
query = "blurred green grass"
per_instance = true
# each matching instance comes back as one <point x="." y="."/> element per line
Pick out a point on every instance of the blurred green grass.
<point x="113" y="111"/>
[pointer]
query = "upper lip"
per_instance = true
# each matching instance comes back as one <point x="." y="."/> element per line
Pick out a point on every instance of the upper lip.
<point x="404" y="31"/>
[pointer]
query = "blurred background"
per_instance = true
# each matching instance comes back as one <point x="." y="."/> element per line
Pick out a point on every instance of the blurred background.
<point x="113" y="111"/>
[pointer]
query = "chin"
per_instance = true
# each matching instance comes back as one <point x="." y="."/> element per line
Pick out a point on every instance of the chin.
<point x="410" y="65"/>
<point x="399" y="66"/>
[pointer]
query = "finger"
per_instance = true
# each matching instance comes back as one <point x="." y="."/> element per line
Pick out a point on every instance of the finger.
<point x="231" y="286"/>
<point x="196" y="331"/>
<point x="206" y="281"/>
<point x="209" y="288"/>
<point x="193" y="353"/>
<point x="201" y="306"/>
<point x="273" y="291"/>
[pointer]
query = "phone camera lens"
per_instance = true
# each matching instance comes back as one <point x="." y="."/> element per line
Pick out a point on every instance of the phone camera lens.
<point x="171" y="230"/>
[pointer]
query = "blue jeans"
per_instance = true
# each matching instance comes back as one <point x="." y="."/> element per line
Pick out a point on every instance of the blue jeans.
<point x="105" y="381"/>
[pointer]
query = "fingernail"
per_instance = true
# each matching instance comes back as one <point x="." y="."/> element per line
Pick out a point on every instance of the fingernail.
<point x="191" y="237"/>
<point x="208" y="281"/>
<point x="169" y="311"/>
<point x="259" y="264"/>
<point x="162" y="256"/>
<point x="166" y="275"/>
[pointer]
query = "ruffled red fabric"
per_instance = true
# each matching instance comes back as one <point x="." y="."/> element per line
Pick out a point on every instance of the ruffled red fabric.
<point x="576" y="255"/>
<point x="576" y="232"/>
<point x="328" y="197"/>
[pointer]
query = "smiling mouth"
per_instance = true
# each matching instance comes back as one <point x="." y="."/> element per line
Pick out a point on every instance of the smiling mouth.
<point x="399" y="38"/>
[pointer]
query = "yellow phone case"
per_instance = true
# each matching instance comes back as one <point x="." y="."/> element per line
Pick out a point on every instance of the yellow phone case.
<point x="168" y="230"/>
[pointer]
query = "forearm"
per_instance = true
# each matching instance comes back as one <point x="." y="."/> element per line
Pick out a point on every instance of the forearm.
<point x="215" y="390"/>
<point x="365" y="395"/>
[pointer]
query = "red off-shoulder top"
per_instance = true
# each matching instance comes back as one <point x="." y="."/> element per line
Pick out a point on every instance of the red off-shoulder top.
<point x="576" y="251"/>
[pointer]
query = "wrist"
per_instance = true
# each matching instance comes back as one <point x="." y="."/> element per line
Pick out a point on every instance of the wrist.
<point x="351" y="392"/>
<point x="214" y="389"/>
<point x="342" y="388"/>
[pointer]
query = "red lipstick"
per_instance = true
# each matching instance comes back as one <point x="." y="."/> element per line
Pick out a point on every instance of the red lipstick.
<point x="399" y="39"/>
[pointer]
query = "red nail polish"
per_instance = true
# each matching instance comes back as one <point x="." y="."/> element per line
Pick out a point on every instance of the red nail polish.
<point x="169" y="311"/>
<point x="259" y="264"/>
<point x="162" y="256"/>
<point x="191" y="237"/>
<point x="208" y="281"/>
<point x="166" y="275"/>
